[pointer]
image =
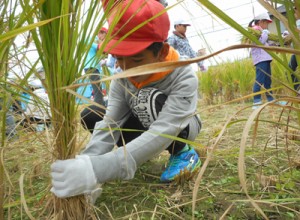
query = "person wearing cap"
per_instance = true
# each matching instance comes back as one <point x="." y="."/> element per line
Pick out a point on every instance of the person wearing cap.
<point x="91" y="114"/>
<point x="261" y="59"/>
<point x="143" y="111"/>
<point x="179" y="41"/>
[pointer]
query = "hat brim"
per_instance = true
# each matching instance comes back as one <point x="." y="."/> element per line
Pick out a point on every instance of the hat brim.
<point x="125" y="47"/>
<point x="183" y="24"/>
<point x="103" y="29"/>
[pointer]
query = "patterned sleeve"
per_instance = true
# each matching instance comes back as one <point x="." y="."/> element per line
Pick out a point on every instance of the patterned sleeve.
<point x="172" y="41"/>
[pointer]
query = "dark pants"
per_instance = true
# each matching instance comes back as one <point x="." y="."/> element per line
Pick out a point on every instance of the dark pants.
<point x="263" y="78"/>
<point x="134" y="123"/>
<point x="293" y="65"/>
<point x="93" y="113"/>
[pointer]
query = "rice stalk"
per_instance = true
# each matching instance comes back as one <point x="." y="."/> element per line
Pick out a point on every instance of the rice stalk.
<point x="21" y="182"/>
<point x="76" y="207"/>
<point x="209" y="84"/>
<point x="62" y="46"/>
<point x="56" y="64"/>
<point x="287" y="41"/>
<point x="11" y="24"/>
<point x="171" y="65"/>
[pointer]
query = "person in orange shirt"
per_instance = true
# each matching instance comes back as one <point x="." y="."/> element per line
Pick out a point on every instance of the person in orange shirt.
<point x="144" y="112"/>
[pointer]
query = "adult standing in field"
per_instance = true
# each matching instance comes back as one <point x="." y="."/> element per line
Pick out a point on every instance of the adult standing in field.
<point x="179" y="41"/>
<point x="144" y="112"/>
<point x="93" y="113"/>
<point x="261" y="59"/>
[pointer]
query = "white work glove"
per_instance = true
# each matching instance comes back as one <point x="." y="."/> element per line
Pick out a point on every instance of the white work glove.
<point x="265" y="31"/>
<point x="93" y="195"/>
<point x="74" y="177"/>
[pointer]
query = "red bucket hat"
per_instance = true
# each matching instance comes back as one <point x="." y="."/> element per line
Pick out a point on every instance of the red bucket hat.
<point x="149" y="14"/>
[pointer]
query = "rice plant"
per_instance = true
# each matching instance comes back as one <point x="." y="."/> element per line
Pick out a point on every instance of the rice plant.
<point x="12" y="23"/>
<point x="234" y="80"/>
<point x="209" y="85"/>
<point x="62" y="46"/>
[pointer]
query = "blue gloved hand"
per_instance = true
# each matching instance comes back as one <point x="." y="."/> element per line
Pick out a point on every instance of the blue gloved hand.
<point x="265" y="31"/>
<point x="73" y="177"/>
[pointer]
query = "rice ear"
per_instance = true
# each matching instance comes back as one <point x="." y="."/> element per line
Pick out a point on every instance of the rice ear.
<point x="272" y="37"/>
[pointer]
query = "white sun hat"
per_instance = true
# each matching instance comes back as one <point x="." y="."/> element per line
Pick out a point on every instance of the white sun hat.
<point x="263" y="16"/>
<point x="180" y="21"/>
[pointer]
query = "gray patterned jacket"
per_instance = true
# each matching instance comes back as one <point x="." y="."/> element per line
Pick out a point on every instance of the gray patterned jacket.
<point x="181" y="87"/>
<point x="182" y="45"/>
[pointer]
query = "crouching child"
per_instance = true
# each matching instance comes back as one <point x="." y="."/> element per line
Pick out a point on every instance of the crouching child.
<point x="154" y="106"/>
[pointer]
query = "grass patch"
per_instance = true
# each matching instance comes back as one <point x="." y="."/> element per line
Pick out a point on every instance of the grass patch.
<point x="273" y="176"/>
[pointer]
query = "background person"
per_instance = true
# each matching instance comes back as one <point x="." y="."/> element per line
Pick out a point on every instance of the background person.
<point x="293" y="64"/>
<point x="179" y="41"/>
<point x="10" y="129"/>
<point x="261" y="59"/>
<point x="92" y="114"/>
<point x="112" y="64"/>
<point x="152" y="105"/>
<point x="38" y="106"/>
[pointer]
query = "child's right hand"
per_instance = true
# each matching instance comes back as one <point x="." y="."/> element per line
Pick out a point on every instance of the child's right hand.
<point x="73" y="177"/>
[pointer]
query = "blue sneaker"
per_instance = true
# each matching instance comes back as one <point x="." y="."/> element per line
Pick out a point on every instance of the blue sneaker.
<point x="179" y="164"/>
<point x="256" y="105"/>
<point x="281" y="103"/>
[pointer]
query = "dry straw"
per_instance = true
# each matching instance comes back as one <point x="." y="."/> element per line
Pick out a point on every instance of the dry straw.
<point x="289" y="24"/>
<point x="62" y="48"/>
